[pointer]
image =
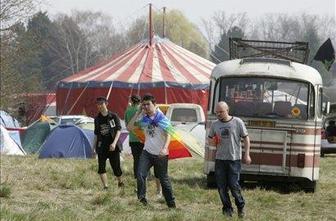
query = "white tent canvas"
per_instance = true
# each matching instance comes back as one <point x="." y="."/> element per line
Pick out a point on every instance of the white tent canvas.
<point x="7" y="145"/>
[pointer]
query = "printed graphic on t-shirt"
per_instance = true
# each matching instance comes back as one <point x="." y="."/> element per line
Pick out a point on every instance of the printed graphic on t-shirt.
<point x="104" y="129"/>
<point x="151" y="130"/>
<point x="225" y="133"/>
<point x="112" y="123"/>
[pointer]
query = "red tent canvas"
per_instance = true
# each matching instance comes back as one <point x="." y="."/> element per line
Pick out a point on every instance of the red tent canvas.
<point x="35" y="104"/>
<point x="169" y="72"/>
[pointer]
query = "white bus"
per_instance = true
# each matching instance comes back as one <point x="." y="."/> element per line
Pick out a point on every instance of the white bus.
<point x="280" y="102"/>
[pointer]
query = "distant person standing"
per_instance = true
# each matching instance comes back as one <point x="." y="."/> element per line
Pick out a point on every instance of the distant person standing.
<point x="107" y="131"/>
<point x="134" y="142"/>
<point x="155" y="152"/>
<point x="227" y="132"/>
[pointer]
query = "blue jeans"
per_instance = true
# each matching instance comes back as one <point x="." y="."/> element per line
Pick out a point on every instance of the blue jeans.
<point x="136" y="148"/>
<point x="160" y="164"/>
<point x="227" y="177"/>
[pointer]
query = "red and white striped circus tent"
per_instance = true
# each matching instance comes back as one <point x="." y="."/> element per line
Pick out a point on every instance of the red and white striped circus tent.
<point x="169" y="72"/>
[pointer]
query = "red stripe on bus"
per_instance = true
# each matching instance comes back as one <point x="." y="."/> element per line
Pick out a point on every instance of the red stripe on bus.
<point x="274" y="159"/>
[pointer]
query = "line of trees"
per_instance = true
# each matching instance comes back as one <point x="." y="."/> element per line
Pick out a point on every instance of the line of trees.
<point x="37" y="51"/>
<point x="273" y="27"/>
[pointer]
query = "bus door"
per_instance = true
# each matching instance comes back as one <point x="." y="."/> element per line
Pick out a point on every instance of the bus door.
<point x="255" y="149"/>
<point x="273" y="151"/>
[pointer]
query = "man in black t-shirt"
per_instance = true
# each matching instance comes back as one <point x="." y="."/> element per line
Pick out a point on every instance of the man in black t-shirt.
<point x="107" y="132"/>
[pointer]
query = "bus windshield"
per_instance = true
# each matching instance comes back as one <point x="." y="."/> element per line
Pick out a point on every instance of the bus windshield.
<point x="265" y="97"/>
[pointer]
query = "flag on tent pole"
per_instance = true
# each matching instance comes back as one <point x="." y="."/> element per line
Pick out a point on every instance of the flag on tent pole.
<point x="326" y="54"/>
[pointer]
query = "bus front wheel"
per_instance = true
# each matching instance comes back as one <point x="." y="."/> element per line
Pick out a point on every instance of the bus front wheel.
<point x="309" y="186"/>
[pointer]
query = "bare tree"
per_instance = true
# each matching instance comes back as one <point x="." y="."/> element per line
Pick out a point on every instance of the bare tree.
<point x="15" y="11"/>
<point x="210" y="34"/>
<point x="221" y="23"/>
<point x="100" y="33"/>
<point x="12" y="15"/>
<point x="85" y="38"/>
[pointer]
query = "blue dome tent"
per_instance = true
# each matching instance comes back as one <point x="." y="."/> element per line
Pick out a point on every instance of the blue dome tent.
<point x="68" y="141"/>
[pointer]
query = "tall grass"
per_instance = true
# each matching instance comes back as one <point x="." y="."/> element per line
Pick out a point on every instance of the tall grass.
<point x="60" y="189"/>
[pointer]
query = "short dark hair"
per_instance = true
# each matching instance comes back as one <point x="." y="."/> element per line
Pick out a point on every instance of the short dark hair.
<point x="101" y="99"/>
<point x="135" y="99"/>
<point x="149" y="97"/>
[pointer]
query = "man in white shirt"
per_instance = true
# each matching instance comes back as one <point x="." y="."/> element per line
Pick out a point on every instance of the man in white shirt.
<point x="155" y="152"/>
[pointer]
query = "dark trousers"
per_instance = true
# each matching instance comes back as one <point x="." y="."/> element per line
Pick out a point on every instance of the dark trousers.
<point x="136" y="148"/>
<point x="114" y="158"/>
<point x="160" y="164"/>
<point x="227" y="177"/>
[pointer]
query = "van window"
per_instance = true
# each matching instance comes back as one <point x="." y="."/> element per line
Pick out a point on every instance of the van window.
<point x="184" y="115"/>
<point x="265" y="97"/>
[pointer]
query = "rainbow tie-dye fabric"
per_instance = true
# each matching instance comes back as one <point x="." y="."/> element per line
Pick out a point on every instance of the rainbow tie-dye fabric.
<point x="177" y="148"/>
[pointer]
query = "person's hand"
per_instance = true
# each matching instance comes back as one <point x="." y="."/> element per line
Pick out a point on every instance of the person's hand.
<point x="212" y="142"/>
<point x="163" y="152"/>
<point x="247" y="159"/>
<point x="112" y="147"/>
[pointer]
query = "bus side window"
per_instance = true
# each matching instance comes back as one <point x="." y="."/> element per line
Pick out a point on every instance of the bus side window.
<point x="209" y="100"/>
<point x="311" y="103"/>
<point x="320" y="101"/>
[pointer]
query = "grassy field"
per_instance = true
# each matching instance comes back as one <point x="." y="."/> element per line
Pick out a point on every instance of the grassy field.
<point x="57" y="189"/>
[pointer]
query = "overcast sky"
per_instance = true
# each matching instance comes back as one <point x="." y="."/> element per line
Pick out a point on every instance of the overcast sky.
<point x="127" y="10"/>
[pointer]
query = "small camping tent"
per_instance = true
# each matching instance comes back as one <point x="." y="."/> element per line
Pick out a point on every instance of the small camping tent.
<point x="36" y="134"/>
<point x="15" y="135"/>
<point x="86" y="123"/>
<point x="8" y="121"/>
<point x="68" y="141"/>
<point x="7" y="145"/>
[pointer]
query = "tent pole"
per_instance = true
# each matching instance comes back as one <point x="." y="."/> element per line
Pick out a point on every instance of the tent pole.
<point x="150" y="25"/>
<point x="109" y="92"/>
<point x="47" y="106"/>
<point x="66" y="99"/>
<point x="163" y="23"/>
<point x="138" y="88"/>
<point x="78" y="98"/>
<point x="165" y="87"/>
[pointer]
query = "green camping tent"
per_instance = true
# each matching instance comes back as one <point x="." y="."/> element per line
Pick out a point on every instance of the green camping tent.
<point x="35" y="135"/>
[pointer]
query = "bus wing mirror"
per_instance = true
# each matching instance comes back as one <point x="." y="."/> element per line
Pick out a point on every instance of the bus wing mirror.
<point x="326" y="108"/>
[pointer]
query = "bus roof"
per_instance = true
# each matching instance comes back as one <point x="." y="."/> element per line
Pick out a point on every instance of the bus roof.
<point x="267" y="67"/>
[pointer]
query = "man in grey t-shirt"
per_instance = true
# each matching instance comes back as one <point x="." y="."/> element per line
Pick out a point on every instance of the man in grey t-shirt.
<point x="227" y="132"/>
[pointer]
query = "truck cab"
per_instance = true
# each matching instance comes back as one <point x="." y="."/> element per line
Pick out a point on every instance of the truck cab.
<point x="188" y="117"/>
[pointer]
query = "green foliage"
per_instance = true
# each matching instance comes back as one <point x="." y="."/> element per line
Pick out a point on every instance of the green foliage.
<point x="5" y="190"/>
<point x="178" y="29"/>
<point x="182" y="32"/>
<point x="102" y="199"/>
